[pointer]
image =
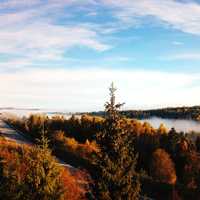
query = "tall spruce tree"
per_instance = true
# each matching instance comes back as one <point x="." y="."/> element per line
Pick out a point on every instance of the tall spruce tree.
<point x="116" y="175"/>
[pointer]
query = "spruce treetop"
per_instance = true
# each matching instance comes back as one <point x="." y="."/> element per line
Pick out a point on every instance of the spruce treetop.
<point x="111" y="108"/>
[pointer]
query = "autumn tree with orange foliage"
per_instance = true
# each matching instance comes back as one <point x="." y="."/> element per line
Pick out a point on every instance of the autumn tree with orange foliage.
<point x="162" y="167"/>
<point x="32" y="173"/>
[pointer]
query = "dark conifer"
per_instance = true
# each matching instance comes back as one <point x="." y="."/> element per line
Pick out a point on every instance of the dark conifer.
<point x="117" y="178"/>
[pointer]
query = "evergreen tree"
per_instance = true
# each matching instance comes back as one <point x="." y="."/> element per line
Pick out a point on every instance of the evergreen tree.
<point x="43" y="177"/>
<point x="116" y="175"/>
<point x="32" y="175"/>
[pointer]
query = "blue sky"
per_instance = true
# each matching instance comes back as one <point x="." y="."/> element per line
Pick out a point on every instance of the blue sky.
<point x="63" y="54"/>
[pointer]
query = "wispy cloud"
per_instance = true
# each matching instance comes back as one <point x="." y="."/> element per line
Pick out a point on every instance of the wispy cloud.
<point x="47" y="39"/>
<point x="183" y="56"/>
<point x="36" y="30"/>
<point x="183" y="16"/>
<point x="31" y="29"/>
<point x="177" y="43"/>
<point x="18" y="4"/>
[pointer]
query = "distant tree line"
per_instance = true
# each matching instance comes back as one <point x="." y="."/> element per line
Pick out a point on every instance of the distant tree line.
<point x="192" y="113"/>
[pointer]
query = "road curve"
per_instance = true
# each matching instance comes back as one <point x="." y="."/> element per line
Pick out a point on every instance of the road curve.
<point x="12" y="135"/>
<point x="9" y="134"/>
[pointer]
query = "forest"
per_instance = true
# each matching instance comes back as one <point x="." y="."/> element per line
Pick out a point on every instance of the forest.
<point x="192" y="113"/>
<point x="121" y="158"/>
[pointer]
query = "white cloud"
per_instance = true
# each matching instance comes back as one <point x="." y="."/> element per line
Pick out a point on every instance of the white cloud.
<point x="87" y="89"/>
<point x="14" y="64"/>
<point x="183" y="16"/>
